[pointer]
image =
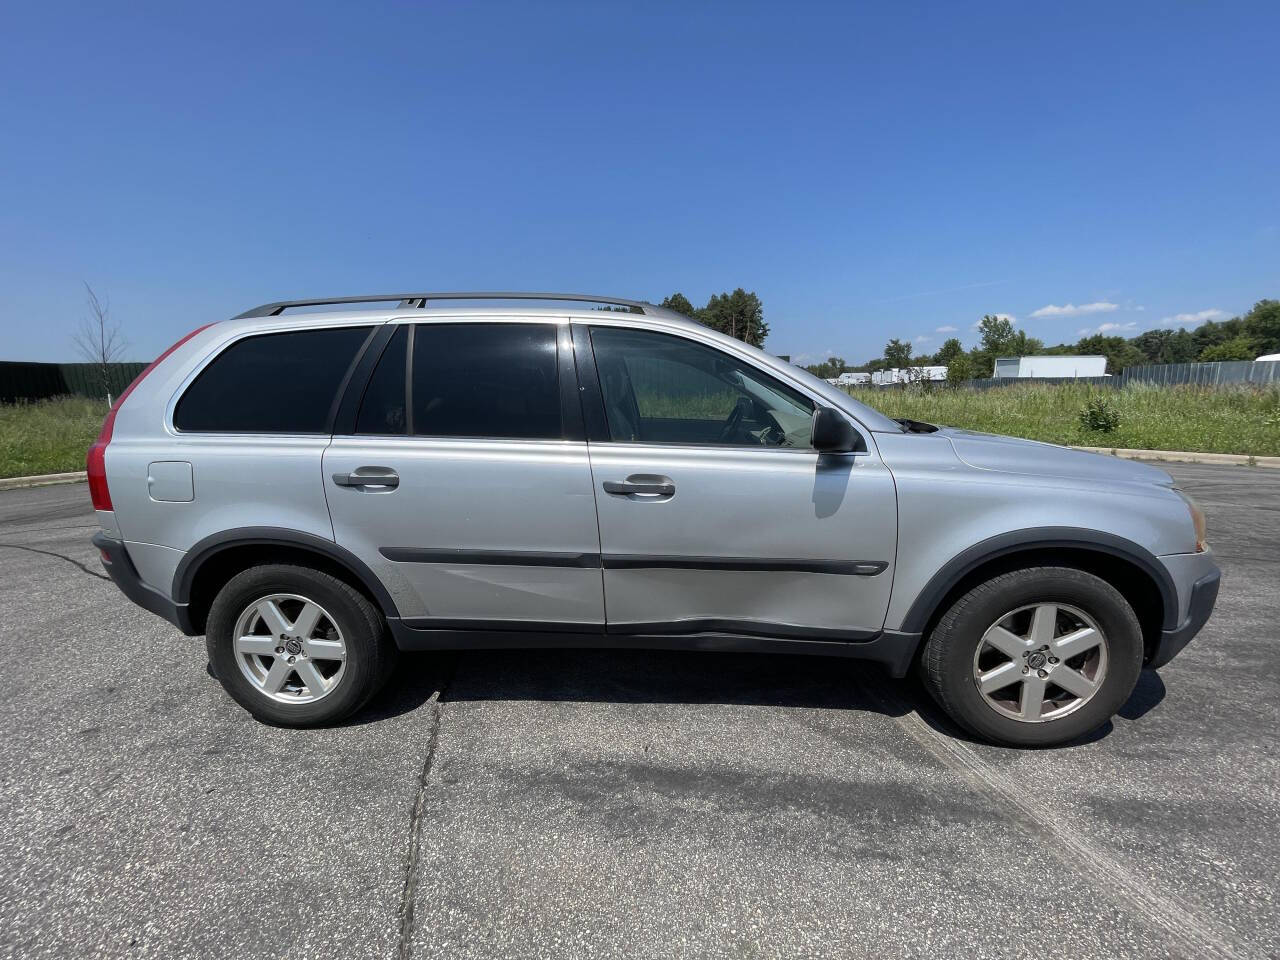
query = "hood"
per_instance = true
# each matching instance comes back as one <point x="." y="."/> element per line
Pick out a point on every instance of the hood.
<point x="987" y="451"/>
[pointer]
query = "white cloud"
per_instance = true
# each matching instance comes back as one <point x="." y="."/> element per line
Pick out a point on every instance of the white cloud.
<point x="1072" y="310"/>
<point x="1187" y="319"/>
<point x="923" y="339"/>
<point x="946" y="329"/>
<point x="1108" y="328"/>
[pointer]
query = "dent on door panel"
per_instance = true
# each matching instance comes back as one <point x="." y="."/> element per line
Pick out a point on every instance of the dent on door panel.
<point x="769" y="541"/>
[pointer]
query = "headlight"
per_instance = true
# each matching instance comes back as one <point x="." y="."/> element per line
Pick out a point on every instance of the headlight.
<point x="1197" y="519"/>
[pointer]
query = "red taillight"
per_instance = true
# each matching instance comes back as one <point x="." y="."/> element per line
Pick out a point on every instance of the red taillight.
<point x="96" y="459"/>
<point x="96" y="466"/>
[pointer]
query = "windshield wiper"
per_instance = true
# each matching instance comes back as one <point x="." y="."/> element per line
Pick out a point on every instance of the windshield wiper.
<point x="915" y="426"/>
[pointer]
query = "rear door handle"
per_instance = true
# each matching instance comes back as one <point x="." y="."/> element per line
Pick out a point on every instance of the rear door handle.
<point x="645" y="484"/>
<point x="368" y="477"/>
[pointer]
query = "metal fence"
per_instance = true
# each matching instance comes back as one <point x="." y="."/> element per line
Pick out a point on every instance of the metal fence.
<point x="1222" y="371"/>
<point x="23" y="381"/>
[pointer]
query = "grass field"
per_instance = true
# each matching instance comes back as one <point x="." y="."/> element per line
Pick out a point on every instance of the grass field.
<point x="48" y="437"/>
<point x="1203" y="419"/>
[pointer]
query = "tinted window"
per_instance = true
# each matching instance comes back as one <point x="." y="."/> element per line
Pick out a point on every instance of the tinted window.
<point x="664" y="389"/>
<point x="276" y="383"/>
<point x="485" y="380"/>
<point x="382" y="410"/>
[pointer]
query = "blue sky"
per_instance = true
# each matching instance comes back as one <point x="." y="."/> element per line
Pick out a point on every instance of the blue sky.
<point x="870" y="170"/>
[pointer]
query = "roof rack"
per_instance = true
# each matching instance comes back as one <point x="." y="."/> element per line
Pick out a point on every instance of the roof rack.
<point x="419" y="300"/>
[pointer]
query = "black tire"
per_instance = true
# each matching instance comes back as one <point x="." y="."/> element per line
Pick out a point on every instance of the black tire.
<point x="947" y="662"/>
<point x="370" y="654"/>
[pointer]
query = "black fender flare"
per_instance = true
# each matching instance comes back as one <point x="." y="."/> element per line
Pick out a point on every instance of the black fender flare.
<point x="208" y="548"/>
<point x="1039" y="538"/>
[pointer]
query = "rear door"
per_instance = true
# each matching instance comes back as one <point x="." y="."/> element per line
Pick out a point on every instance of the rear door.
<point x="463" y="480"/>
<point x="715" y="514"/>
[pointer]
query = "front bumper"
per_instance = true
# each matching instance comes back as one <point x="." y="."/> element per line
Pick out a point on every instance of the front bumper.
<point x="115" y="560"/>
<point x="1204" y="594"/>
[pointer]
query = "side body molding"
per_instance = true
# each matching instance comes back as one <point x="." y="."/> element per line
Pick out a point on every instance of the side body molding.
<point x="1039" y="538"/>
<point x="184" y="576"/>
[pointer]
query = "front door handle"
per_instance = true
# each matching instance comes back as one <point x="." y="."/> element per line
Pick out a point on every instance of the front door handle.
<point x="368" y="477"/>
<point x="644" y="484"/>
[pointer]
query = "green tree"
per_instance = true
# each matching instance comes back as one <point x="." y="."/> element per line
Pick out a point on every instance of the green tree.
<point x="1120" y="353"/>
<point x="829" y="368"/>
<point x="1155" y="345"/>
<point x="999" y="339"/>
<point x="1182" y="347"/>
<point x="1166" y="346"/>
<point x="739" y="314"/>
<point x="1262" y="324"/>
<point x="1237" y="348"/>
<point x="680" y="304"/>
<point x="997" y="336"/>
<point x="959" y="369"/>
<point x="1211" y="333"/>
<point x="897" y="353"/>
<point x="948" y="352"/>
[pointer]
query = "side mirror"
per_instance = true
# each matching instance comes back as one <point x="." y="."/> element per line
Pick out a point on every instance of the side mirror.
<point x="832" y="433"/>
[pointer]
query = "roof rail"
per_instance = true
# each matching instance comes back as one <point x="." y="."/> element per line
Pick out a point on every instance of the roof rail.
<point x="419" y="300"/>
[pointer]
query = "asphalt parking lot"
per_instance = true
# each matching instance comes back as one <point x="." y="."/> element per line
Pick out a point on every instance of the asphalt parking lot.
<point x="621" y="804"/>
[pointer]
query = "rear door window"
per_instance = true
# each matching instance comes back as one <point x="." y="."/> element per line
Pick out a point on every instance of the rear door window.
<point x="497" y="380"/>
<point x="273" y="383"/>
<point x="382" y="411"/>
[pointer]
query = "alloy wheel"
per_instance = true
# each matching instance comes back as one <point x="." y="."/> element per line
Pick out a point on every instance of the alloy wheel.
<point x="1040" y="662"/>
<point x="290" y="648"/>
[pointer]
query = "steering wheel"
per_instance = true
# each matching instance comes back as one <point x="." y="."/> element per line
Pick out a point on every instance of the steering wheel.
<point x="729" y="432"/>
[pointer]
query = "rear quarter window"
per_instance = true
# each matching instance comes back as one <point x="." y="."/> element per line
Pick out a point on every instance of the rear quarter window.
<point x="272" y="383"/>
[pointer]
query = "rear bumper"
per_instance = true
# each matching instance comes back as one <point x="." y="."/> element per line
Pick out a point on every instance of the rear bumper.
<point x="1204" y="594"/>
<point x="115" y="560"/>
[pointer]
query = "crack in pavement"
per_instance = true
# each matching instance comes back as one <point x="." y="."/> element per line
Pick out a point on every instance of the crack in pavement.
<point x="1195" y="935"/>
<point x="50" y="553"/>
<point x="404" y="945"/>
<point x="41" y="527"/>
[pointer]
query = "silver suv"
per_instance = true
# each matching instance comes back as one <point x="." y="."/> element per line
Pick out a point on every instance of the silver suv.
<point x="316" y="484"/>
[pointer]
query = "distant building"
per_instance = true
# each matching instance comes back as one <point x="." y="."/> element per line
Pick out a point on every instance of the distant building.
<point x="908" y="375"/>
<point x="849" y="379"/>
<point x="1062" y="367"/>
<point x="1271" y="356"/>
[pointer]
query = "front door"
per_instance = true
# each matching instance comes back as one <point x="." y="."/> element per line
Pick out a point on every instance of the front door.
<point x="715" y="514"/>
<point x="462" y="485"/>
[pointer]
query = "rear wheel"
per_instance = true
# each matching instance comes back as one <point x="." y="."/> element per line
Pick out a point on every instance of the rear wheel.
<point x="1035" y="657"/>
<point x="295" y="646"/>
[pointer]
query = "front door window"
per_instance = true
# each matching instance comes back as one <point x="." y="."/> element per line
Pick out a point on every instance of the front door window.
<point x="660" y="388"/>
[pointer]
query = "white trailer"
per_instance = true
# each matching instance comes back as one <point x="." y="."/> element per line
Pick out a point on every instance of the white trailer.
<point x="908" y="375"/>
<point x="1060" y="367"/>
<point x="850" y="378"/>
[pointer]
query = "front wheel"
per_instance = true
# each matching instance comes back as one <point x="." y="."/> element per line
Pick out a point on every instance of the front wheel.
<point x="1034" y="657"/>
<point x="295" y="646"/>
